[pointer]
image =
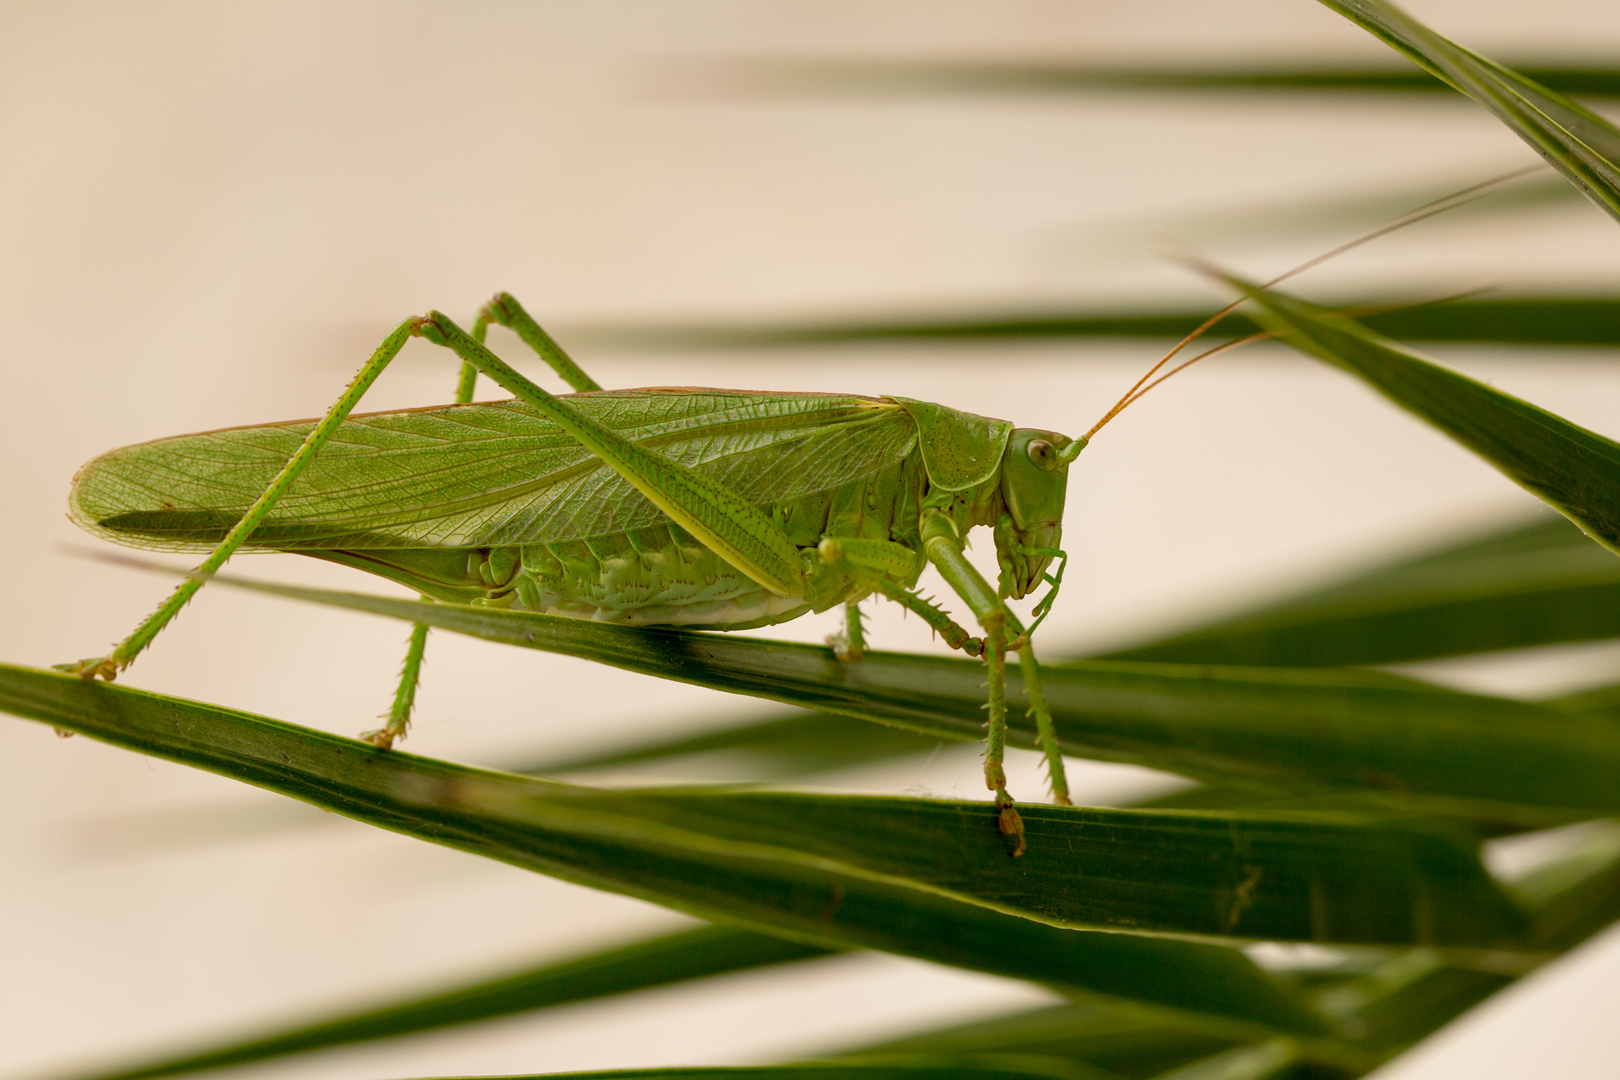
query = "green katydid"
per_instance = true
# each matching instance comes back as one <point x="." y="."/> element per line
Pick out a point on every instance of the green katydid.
<point x="685" y="507"/>
<point x="675" y="506"/>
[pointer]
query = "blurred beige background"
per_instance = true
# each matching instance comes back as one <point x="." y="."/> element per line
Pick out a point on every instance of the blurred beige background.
<point x="210" y="213"/>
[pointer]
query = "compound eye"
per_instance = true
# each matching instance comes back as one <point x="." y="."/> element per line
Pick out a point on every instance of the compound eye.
<point x="1043" y="454"/>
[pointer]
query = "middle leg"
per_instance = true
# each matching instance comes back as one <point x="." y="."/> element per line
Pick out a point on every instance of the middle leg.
<point x="398" y="716"/>
<point x="850" y="645"/>
<point x="893" y="568"/>
<point x="410" y="677"/>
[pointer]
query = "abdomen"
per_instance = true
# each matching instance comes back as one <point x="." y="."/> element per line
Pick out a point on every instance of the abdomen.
<point x="662" y="576"/>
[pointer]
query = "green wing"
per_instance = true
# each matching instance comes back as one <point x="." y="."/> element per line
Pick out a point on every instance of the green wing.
<point x="480" y="475"/>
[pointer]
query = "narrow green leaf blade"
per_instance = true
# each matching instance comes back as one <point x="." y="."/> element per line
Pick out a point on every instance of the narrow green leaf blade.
<point x="844" y="77"/>
<point x="997" y="1067"/>
<point x="1407" y="997"/>
<point x="1261" y="1062"/>
<point x="1329" y="878"/>
<point x="1574" y="140"/>
<point x="1271" y="726"/>
<point x="1578" y="895"/>
<point x="1590" y="320"/>
<point x="1533" y="584"/>
<point x="1102" y="1038"/>
<point x="1302" y="877"/>
<point x="1599" y="701"/>
<point x="693" y="954"/>
<point x="774" y="747"/>
<point x="607" y="841"/>
<point x="1572" y="469"/>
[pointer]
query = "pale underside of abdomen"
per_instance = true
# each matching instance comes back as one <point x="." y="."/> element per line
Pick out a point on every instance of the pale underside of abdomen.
<point x="662" y="576"/>
<point x="647" y="577"/>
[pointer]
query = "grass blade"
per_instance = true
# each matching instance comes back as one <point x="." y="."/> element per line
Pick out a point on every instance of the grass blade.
<point x="1574" y="140"/>
<point x="845" y="77"/>
<point x="1592" y="320"/>
<point x="1405" y="998"/>
<point x="1273" y="726"/>
<point x="693" y="954"/>
<point x="997" y="1067"/>
<point x="1533" y="584"/>
<point x="1319" y="877"/>
<point x="1104" y="1039"/>
<point x="1386" y="1005"/>
<point x="1572" y="469"/>
<point x="1578" y="895"/>
<point x="1599" y="701"/>
<point x="610" y="840"/>
<point x="773" y="747"/>
<point x="1324" y="878"/>
<point x="1269" y="1059"/>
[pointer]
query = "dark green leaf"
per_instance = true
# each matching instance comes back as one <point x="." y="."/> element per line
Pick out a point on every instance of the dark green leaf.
<point x="1406" y="998"/>
<point x="775" y="747"/>
<point x="1320" y="877"/>
<point x="1385" y="1005"/>
<point x="1507" y="320"/>
<point x="1263" y="1062"/>
<point x="780" y="75"/>
<point x="1269" y="726"/>
<point x="1574" y="140"/>
<point x="652" y="846"/>
<point x="1118" y="1042"/>
<point x="1573" y="470"/>
<point x="1532" y="584"/>
<point x="1482" y="823"/>
<point x="1577" y="895"/>
<point x="997" y="1067"/>
<point x="1597" y="701"/>
<point x="660" y="961"/>
<point x="1326" y="878"/>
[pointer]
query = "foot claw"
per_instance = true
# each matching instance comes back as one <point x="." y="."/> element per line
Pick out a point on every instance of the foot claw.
<point x="382" y="738"/>
<point x="1012" y="825"/>
<point x="1009" y="821"/>
<point x="843" y="650"/>
<point x="102" y="667"/>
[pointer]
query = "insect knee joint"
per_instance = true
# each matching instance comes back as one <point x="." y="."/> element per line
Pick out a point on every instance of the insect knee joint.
<point x="428" y="327"/>
<point x="499" y="308"/>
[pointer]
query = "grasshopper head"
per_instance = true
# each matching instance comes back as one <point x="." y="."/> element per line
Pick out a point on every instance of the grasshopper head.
<point x="1034" y="479"/>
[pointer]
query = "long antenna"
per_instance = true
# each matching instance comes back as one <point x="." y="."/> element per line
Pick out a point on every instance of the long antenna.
<point x="1429" y="209"/>
<point x="1349" y="313"/>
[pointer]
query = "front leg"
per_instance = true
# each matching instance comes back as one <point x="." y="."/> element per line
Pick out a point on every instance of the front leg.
<point x="943" y="546"/>
<point x="995" y="741"/>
